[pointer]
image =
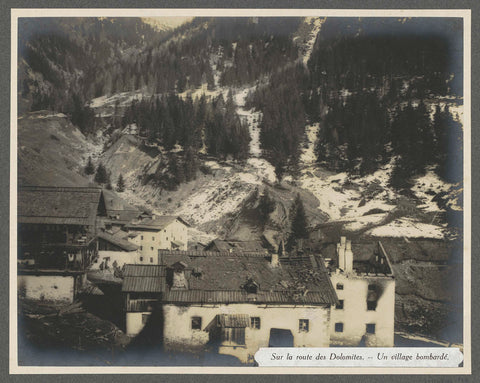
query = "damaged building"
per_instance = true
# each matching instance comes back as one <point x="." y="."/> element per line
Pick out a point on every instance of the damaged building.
<point x="234" y="303"/>
<point x="363" y="279"/>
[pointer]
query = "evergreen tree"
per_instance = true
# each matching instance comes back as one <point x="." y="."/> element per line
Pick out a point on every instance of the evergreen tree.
<point x="298" y="228"/>
<point x="265" y="207"/>
<point x="101" y="175"/>
<point x="89" y="168"/>
<point x="120" y="184"/>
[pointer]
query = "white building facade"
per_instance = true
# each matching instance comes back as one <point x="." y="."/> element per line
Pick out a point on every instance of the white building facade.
<point x="366" y="310"/>
<point x="157" y="233"/>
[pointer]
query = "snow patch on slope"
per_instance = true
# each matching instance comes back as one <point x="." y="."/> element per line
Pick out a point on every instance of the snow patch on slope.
<point x="408" y="227"/>
<point x="340" y="196"/>
<point x="428" y="186"/>
<point x="308" y="156"/>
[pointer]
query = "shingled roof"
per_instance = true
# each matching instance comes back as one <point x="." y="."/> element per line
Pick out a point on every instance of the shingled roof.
<point x="59" y="205"/>
<point x="144" y="278"/>
<point x="117" y="240"/>
<point x="157" y="223"/>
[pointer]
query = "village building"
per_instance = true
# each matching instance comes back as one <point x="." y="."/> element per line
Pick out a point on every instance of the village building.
<point x="235" y="303"/>
<point x="119" y="213"/>
<point x="143" y="286"/>
<point x="363" y="279"/>
<point x="114" y="249"/>
<point x="56" y="239"/>
<point x="156" y="233"/>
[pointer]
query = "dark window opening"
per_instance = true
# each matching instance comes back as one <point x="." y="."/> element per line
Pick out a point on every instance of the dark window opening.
<point x="371" y="305"/>
<point x="196" y="323"/>
<point x="338" y="327"/>
<point x="340" y="305"/>
<point x="303" y="325"/>
<point x="339" y="286"/>
<point x="255" y="322"/>
<point x="145" y="318"/>
<point x="372" y="287"/>
<point x="371" y="328"/>
<point x="151" y="259"/>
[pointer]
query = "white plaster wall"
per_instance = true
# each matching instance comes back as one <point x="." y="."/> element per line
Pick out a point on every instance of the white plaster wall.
<point x="122" y="257"/>
<point x="355" y="315"/>
<point x="178" y="332"/>
<point x="154" y="240"/>
<point x="134" y="323"/>
<point x="47" y="287"/>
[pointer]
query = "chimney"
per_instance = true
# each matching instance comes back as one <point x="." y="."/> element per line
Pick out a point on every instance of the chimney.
<point x="341" y="253"/>
<point x="281" y="249"/>
<point x="179" y="279"/>
<point x="348" y="257"/>
<point x="274" y="262"/>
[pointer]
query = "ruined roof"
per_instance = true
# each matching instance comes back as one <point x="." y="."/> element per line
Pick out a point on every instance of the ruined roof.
<point x="59" y="205"/>
<point x="156" y="223"/>
<point x="364" y="257"/>
<point x="144" y="279"/>
<point x="171" y="256"/>
<point x="276" y="284"/>
<point x="233" y="245"/>
<point x="117" y="240"/>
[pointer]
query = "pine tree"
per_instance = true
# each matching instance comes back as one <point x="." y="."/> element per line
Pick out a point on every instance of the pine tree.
<point x="101" y="175"/>
<point x="120" y="184"/>
<point x="89" y="168"/>
<point x="265" y="207"/>
<point x="298" y="221"/>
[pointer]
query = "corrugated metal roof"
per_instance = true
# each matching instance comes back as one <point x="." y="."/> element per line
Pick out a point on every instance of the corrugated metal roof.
<point x="142" y="284"/>
<point x="240" y="296"/>
<point x="144" y="271"/>
<point x="233" y="320"/>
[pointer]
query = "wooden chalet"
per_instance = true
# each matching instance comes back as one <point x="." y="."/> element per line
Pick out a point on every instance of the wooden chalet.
<point x="56" y="237"/>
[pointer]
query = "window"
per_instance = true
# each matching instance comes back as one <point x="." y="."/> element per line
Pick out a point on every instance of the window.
<point x="372" y="287"/>
<point x="370" y="328"/>
<point x="303" y="325"/>
<point x="141" y="237"/>
<point x="141" y="247"/>
<point x="339" y="286"/>
<point x="196" y="323"/>
<point x="141" y="259"/>
<point x="151" y="248"/>
<point x="153" y="238"/>
<point x="255" y="322"/>
<point x="338" y="327"/>
<point x="340" y="305"/>
<point x="167" y="238"/>
<point x="371" y="305"/>
<point x="151" y="259"/>
<point x="145" y="318"/>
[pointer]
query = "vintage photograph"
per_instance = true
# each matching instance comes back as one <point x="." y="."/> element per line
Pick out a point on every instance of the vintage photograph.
<point x="191" y="189"/>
